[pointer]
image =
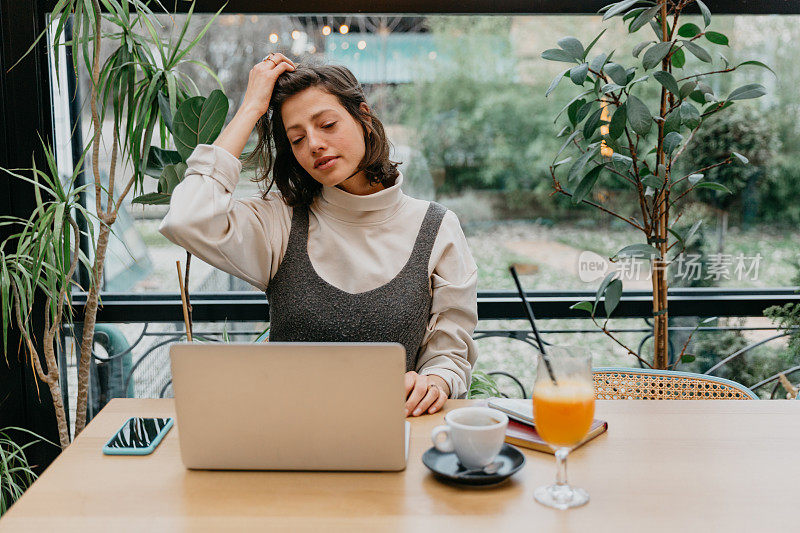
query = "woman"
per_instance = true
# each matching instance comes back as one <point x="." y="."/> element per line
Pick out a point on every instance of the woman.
<point x="341" y="252"/>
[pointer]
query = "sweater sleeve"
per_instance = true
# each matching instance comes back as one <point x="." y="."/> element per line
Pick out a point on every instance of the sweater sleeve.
<point x="447" y="348"/>
<point x="244" y="237"/>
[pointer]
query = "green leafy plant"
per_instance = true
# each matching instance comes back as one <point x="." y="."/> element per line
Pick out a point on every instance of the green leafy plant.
<point x="42" y="257"/>
<point x="16" y="474"/>
<point x="199" y="120"/>
<point x="611" y="128"/>
<point x="483" y="386"/>
<point x="142" y="85"/>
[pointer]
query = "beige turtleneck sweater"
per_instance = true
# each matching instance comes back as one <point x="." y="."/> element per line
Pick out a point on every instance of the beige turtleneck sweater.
<point x="356" y="243"/>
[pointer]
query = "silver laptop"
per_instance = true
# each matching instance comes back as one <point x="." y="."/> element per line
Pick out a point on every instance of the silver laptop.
<point x="290" y="406"/>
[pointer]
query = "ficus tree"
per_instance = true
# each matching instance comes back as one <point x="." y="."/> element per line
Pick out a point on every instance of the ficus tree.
<point x="141" y="85"/>
<point x="612" y="128"/>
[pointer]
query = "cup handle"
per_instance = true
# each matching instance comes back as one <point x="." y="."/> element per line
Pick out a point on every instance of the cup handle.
<point x="446" y="445"/>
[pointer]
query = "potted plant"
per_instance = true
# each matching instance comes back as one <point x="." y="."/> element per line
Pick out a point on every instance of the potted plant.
<point x="612" y="129"/>
<point x="142" y="87"/>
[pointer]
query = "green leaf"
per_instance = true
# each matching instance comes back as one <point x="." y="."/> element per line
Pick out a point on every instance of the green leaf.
<point x="619" y="8"/>
<point x="742" y="159"/>
<point x="584" y="111"/>
<point x="617" y="125"/>
<point x="757" y="64"/>
<point x="752" y="90"/>
<point x="655" y="54"/>
<point x="689" y="30"/>
<point x="653" y="181"/>
<point x="583" y="306"/>
<point x="578" y="74"/>
<point x="698" y="51"/>
<point x="556" y="81"/>
<point x="572" y="46"/>
<point x="572" y="110"/>
<point x="713" y="186"/>
<point x="591" y="44"/>
<point x="671" y="141"/>
<point x="562" y="162"/>
<point x="694" y="178"/>
<point x="643" y="18"/>
<point x="624" y="159"/>
<point x="617" y="73"/>
<point x="153" y="198"/>
<point x="639" y="47"/>
<point x="687" y="358"/>
<point x="638" y="250"/>
<point x="687" y="89"/>
<point x="717" y="38"/>
<point x="668" y="81"/>
<point x="689" y="115"/>
<point x="591" y="124"/>
<point x="639" y="116"/>
<point x="705" y="11"/>
<point x="577" y="167"/>
<point x="601" y="290"/>
<point x="613" y="295"/>
<point x="199" y="121"/>
<point x="158" y="159"/>
<point x="586" y="184"/>
<point x="171" y="177"/>
<point x="557" y="54"/>
<point x="678" y="58"/>
<point x="672" y="122"/>
<point x="610" y="88"/>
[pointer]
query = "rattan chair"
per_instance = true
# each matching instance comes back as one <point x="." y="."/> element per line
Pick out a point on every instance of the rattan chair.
<point x="645" y="384"/>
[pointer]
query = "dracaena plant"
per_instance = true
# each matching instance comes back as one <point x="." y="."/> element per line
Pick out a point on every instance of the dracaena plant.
<point x="142" y="86"/>
<point x="612" y="128"/>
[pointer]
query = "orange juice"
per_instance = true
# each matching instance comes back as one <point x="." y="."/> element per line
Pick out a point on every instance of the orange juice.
<point x="563" y="413"/>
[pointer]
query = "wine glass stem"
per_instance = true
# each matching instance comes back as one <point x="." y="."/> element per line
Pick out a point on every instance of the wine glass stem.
<point x="561" y="465"/>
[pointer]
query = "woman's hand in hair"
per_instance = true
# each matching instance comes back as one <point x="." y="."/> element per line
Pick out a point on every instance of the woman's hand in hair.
<point x="256" y="102"/>
<point x="425" y="393"/>
<point x="262" y="81"/>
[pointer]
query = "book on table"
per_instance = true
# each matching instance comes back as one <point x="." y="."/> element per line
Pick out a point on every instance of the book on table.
<point x="521" y="429"/>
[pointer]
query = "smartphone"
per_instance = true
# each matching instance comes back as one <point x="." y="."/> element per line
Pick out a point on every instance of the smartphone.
<point x="138" y="436"/>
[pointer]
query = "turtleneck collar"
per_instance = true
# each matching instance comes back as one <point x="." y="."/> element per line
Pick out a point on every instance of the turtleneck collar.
<point x="369" y="208"/>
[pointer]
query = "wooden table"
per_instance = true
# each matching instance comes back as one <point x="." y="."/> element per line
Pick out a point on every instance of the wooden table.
<point x="663" y="466"/>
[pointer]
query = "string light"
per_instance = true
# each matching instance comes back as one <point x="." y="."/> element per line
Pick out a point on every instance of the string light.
<point x="273" y="38"/>
<point x="295" y="34"/>
<point x="605" y="150"/>
<point x="326" y="30"/>
<point x="362" y="44"/>
<point x="343" y="29"/>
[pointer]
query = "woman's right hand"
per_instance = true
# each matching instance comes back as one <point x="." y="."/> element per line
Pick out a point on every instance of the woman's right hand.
<point x="255" y="104"/>
<point x="262" y="81"/>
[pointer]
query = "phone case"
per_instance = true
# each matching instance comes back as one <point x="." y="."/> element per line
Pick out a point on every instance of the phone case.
<point x="137" y="451"/>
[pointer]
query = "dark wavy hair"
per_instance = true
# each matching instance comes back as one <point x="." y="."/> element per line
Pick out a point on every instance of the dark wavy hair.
<point x="281" y="168"/>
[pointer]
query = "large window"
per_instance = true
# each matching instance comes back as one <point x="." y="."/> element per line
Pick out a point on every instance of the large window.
<point x="463" y="101"/>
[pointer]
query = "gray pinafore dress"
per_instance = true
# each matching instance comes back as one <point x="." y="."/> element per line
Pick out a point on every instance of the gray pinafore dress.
<point x="305" y="308"/>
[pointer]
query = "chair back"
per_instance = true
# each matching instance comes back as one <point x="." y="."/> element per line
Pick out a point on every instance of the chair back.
<point x="612" y="383"/>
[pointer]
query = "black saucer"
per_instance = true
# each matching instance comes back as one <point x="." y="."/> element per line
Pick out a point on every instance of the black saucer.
<point x="446" y="466"/>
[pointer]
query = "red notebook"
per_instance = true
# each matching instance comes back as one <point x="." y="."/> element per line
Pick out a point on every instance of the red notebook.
<point x="521" y="430"/>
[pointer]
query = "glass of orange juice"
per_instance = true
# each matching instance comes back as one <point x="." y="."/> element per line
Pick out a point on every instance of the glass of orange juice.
<point x="563" y="410"/>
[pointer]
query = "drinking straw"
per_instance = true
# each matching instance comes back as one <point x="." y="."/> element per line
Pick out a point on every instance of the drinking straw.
<point x="183" y="301"/>
<point x="529" y="312"/>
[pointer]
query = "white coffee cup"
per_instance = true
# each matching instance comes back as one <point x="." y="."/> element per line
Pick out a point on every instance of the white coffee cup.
<point x="476" y="434"/>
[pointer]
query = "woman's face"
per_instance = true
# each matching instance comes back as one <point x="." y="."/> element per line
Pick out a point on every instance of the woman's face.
<point x="319" y="127"/>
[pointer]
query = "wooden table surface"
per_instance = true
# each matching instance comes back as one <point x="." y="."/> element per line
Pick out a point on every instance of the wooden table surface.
<point x="662" y="466"/>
